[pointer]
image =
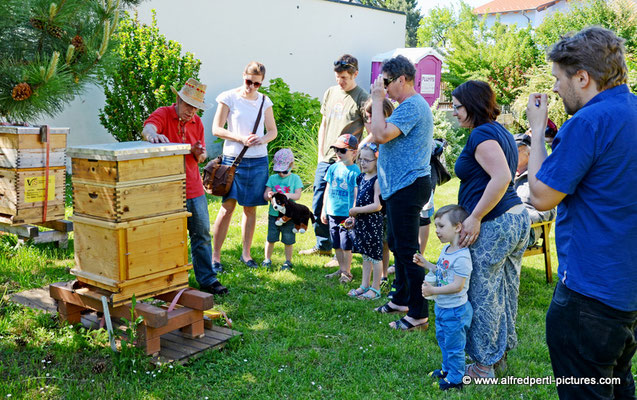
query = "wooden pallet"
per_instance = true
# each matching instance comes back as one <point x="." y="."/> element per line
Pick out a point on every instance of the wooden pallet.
<point x="175" y="347"/>
<point x="59" y="233"/>
<point x="73" y="299"/>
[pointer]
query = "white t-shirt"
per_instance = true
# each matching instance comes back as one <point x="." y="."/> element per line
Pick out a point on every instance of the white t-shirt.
<point x="241" y="119"/>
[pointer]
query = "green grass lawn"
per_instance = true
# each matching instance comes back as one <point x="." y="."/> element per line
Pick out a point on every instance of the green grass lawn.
<point x="303" y="338"/>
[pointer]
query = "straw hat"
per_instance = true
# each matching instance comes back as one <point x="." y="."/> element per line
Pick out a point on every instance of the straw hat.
<point x="193" y="93"/>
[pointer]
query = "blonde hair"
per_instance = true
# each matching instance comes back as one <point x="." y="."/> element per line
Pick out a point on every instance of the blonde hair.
<point x="255" y="68"/>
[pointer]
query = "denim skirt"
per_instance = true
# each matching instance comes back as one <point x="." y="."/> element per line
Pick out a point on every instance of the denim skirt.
<point x="249" y="181"/>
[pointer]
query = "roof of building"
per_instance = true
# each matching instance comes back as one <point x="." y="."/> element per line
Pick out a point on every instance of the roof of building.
<point x="413" y="54"/>
<point x="505" y="6"/>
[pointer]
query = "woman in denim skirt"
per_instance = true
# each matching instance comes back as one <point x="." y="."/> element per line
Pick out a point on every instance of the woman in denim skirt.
<point x="239" y="108"/>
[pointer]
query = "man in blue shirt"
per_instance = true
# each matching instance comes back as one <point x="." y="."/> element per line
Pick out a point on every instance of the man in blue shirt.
<point x="591" y="323"/>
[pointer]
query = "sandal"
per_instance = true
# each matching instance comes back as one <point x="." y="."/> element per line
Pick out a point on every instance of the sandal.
<point x="404" y="325"/>
<point x="335" y="274"/>
<point x="365" y="296"/>
<point x="357" y="292"/>
<point x="346" y="277"/>
<point x="387" y="309"/>
<point x="474" y="371"/>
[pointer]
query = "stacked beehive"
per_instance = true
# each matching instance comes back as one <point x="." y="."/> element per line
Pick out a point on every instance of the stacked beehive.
<point x="23" y="170"/>
<point x="130" y="217"/>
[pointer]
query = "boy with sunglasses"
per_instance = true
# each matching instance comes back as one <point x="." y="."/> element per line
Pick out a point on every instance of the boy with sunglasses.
<point x="340" y="181"/>
<point x="342" y="110"/>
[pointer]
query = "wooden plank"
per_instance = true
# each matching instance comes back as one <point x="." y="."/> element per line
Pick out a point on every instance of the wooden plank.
<point x="154" y="317"/>
<point x="33" y="215"/>
<point x="132" y="170"/>
<point x="25" y="231"/>
<point x="157" y="286"/>
<point x="177" y="318"/>
<point x="140" y="182"/>
<point x="96" y="252"/>
<point x="95" y="201"/>
<point x="51" y="236"/>
<point x="38" y="299"/>
<point x="94" y="170"/>
<point x="192" y="344"/>
<point x="191" y="298"/>
<point x="128" y="224"/>
<point x="14" y="158"/>
<point x="56" y="141"/>
<point x="226" y="331"/>
<point x="61" y="225"/>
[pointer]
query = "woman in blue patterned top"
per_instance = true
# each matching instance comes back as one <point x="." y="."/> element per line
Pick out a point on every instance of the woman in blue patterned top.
<point x="497" y="228"/>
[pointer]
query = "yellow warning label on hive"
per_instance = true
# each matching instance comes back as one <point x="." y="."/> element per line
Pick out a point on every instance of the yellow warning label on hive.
<point x="34" y="189"/>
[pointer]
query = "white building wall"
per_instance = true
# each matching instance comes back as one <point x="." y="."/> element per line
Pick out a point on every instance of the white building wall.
<point x="522" y="18"/>
<point x="297" y="40"/>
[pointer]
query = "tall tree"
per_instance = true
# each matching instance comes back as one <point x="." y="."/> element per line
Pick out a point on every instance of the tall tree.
<point x="435" y="26"/>
<point x="412" y="11"/>
<point x="49" y="49"/>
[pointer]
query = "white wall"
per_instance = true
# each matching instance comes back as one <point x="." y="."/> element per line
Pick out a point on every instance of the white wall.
<point x="521" y="18"/>
<point x="297" y="40"/>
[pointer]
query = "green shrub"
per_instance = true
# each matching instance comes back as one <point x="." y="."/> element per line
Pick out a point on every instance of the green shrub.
<point x="298" y="117"/>
<point x="140" y="83"/>
<point x="456" y="137"/>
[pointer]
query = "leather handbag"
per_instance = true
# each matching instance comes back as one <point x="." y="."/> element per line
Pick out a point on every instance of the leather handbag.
<point x="217" y="178"/>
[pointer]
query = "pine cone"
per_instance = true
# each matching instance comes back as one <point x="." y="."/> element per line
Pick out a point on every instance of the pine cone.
<point x="54" y="31"/>
<point x="37" y="23"/>
<point x="99" y="367"/>
<point x="78" y="43"/>
<point x="21" y="91"/>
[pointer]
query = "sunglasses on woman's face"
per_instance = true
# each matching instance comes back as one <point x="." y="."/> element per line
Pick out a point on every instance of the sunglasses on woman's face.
<point x="252" y="83"/>
<point x="341" y="151"/>
<point x="387" y="81"/>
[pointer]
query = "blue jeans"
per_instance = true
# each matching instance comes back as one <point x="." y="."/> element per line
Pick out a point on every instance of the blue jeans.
<point x="321" y="230"/>
<point x="200" y="247"/>
<point x="403" y="220"/>
<point x="452" y="325"/>
<point x="587" y="338"/>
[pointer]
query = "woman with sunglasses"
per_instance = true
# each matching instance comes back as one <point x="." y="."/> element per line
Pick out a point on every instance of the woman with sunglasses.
<point x="239" y="108"/>
<point x="405" y="182"/>
<point x="496" y="230"/>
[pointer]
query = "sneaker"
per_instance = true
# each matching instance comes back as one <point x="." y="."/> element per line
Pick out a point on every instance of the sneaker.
<point x="315" y="251"/>
<point x="249" y="263"/>
<point x="286" y="266"/>
<point x="444" y="384"/>
<point x="217" y="267"/>
<point x="215" y="288"/>
<point x="438" y="374"/>
<point x="331" y="263"/>
<point x="266" y="264"/>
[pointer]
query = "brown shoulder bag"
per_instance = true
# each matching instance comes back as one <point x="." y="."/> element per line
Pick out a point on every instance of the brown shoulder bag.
<point x="217" y="178"/>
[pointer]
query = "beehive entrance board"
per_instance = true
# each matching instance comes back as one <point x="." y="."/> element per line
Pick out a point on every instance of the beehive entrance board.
<point x="130" y="180"/>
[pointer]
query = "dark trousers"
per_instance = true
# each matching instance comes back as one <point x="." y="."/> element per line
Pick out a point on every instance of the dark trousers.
<point x="588" y="339"/>
<point x="403" y="222"/>
<point x="321" y="230"/>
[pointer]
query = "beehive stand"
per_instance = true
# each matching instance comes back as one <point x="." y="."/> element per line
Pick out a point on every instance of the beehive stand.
<point x="74" y="298"/>
<point x="59" y="233"/>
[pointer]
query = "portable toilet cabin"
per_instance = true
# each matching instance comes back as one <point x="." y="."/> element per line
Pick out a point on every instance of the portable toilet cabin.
<point x="428" y="63"/>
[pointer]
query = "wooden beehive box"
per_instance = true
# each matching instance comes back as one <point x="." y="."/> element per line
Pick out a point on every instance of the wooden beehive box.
<point x="129" y="180"/>
<point x="138" y="257"/>
<point x="21" y="147"/>
<point x="23" y="175"/>
<point x="22" y="195"/>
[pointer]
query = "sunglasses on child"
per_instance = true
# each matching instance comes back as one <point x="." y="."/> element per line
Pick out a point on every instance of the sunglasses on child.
<point x="283" y="172"/>
<point x="339" y="150"/>
<point x="252" y="83"/>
